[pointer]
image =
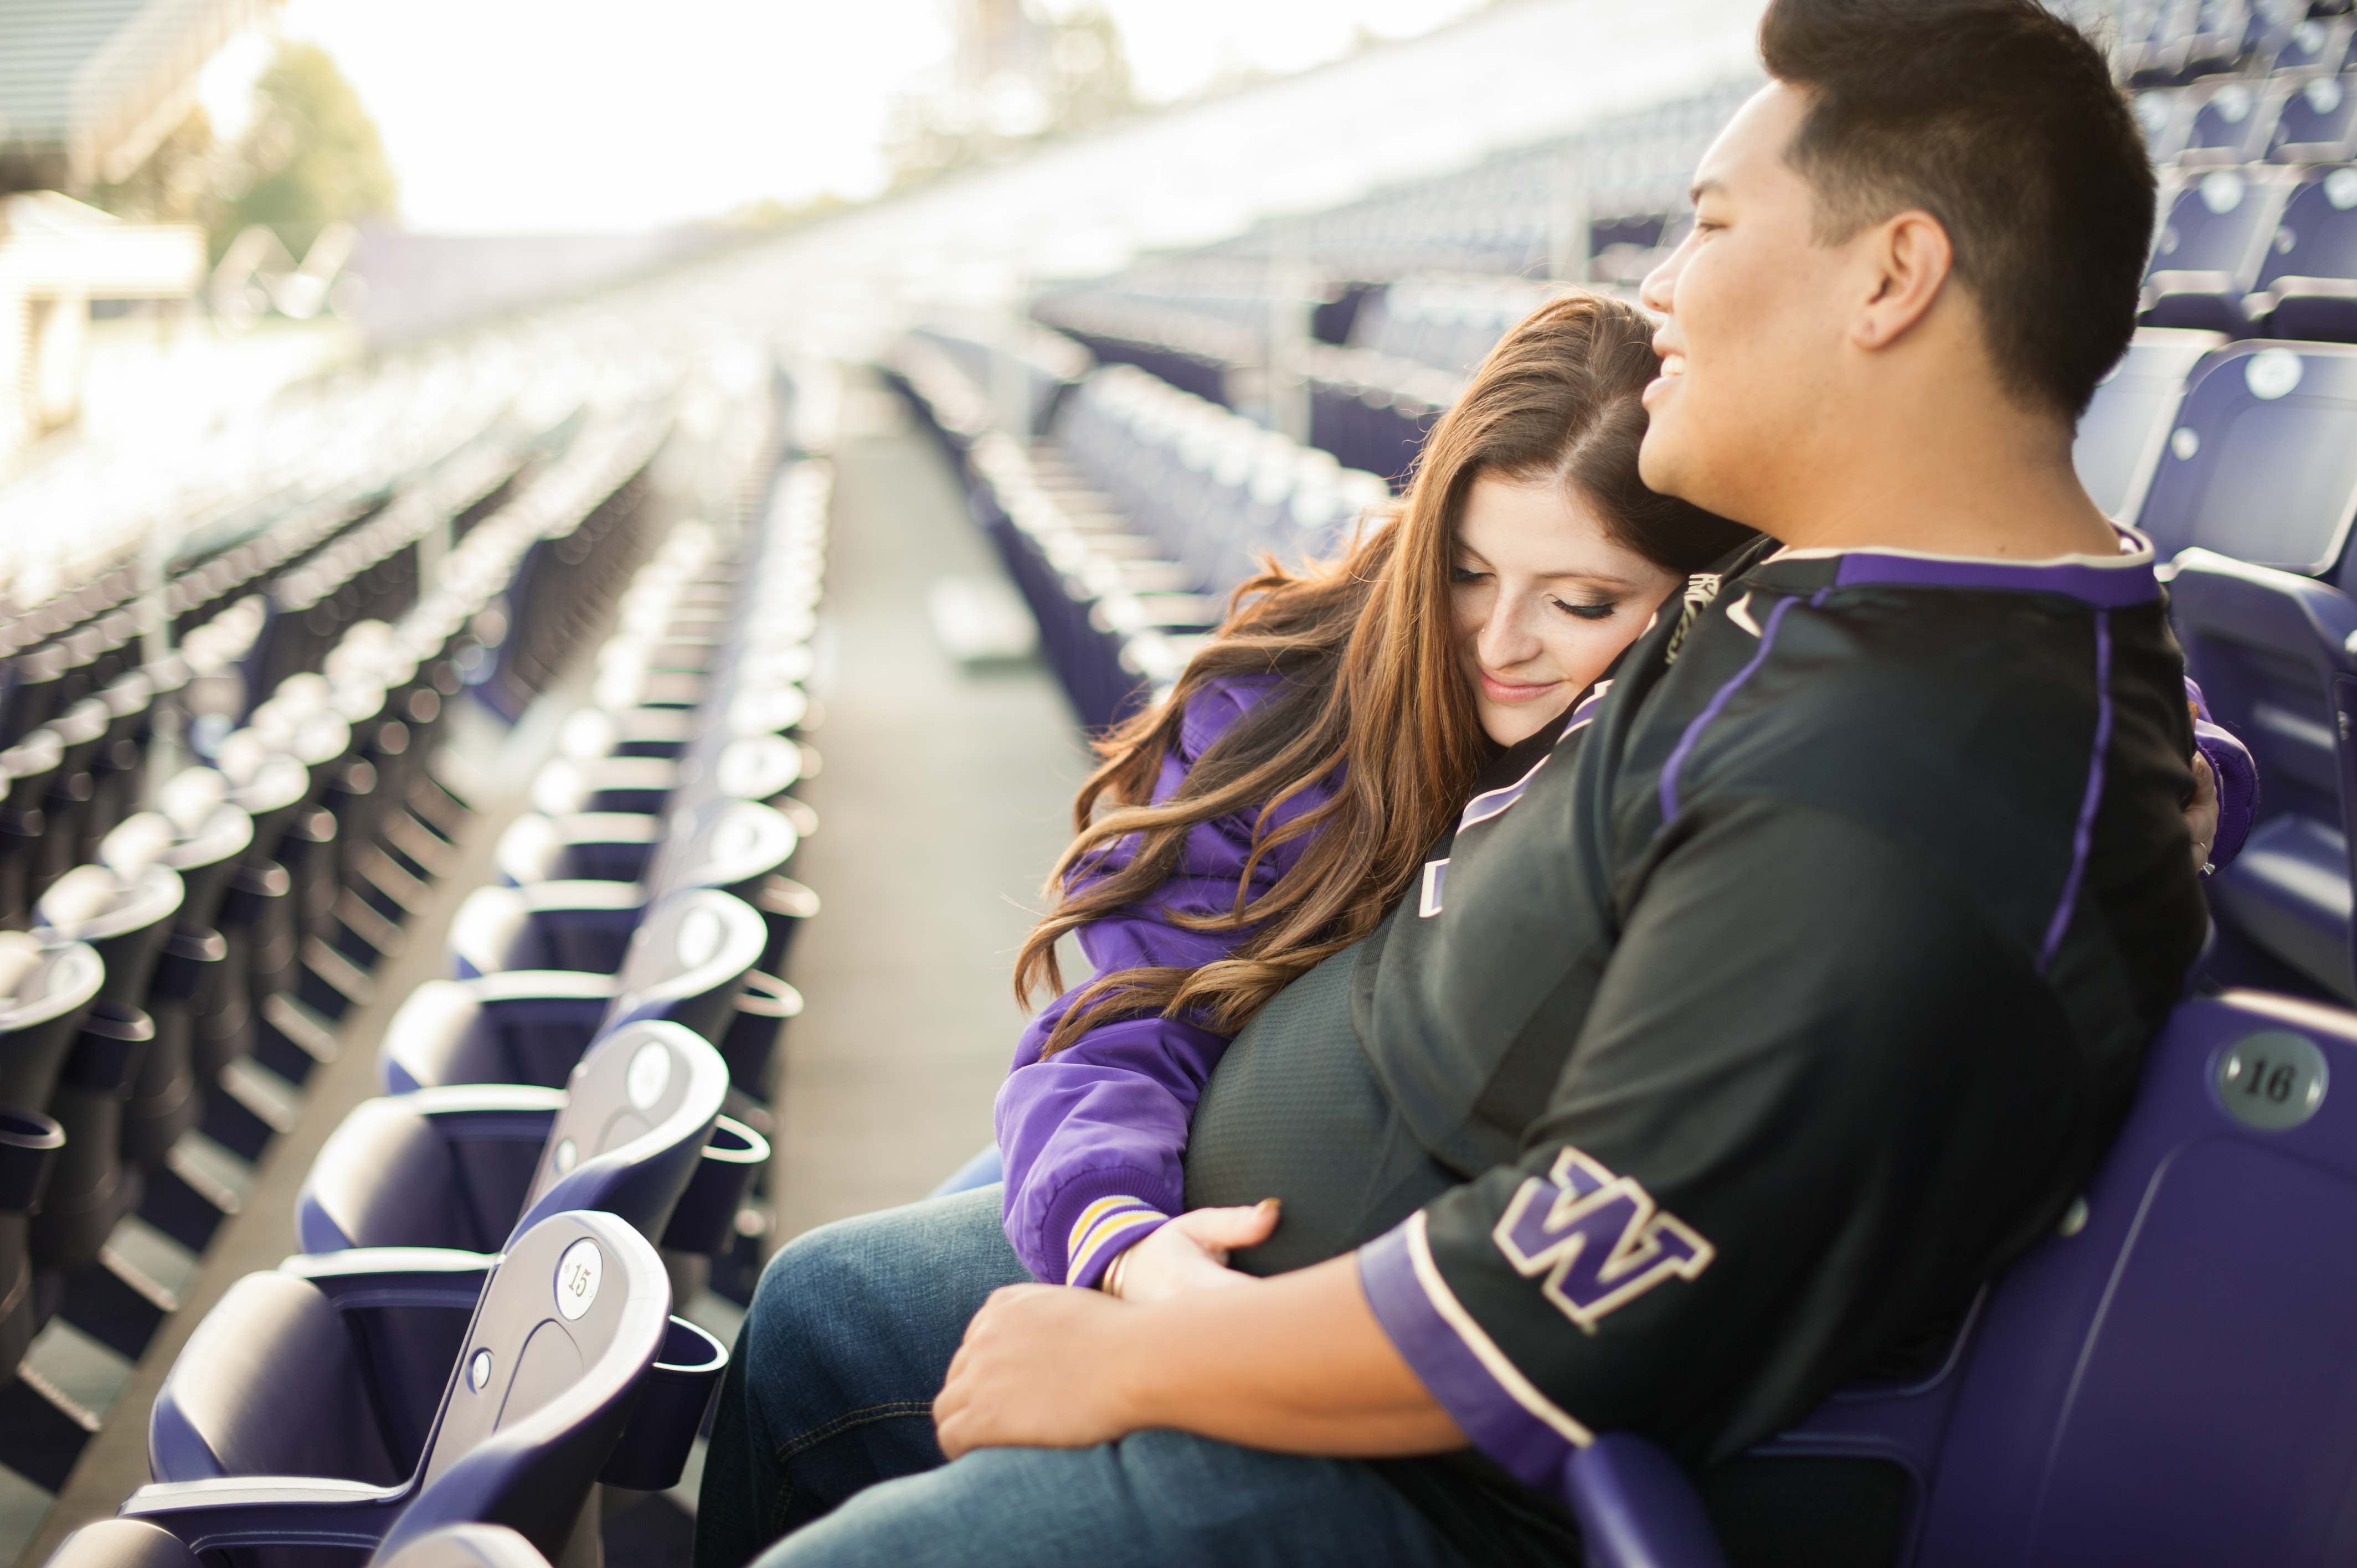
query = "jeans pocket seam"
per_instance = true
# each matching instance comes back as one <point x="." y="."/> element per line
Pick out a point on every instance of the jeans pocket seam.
<point x="850" y="1418"/>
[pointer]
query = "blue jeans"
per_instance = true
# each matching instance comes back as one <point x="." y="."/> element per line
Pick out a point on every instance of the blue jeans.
<point x="824" y="1434"/>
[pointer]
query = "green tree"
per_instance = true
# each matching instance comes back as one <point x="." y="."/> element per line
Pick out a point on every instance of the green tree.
<point x="311" y="155"/>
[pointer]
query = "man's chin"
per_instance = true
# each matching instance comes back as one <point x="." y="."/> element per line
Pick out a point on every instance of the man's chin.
<point x="1661" y="461"/>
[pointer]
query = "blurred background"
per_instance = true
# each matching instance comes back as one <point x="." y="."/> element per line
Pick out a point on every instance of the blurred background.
<point x="433" y="433"/>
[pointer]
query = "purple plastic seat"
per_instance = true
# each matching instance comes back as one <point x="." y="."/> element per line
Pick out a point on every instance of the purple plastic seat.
<point x="2210" y="248"/>
<point x="458" y="1546"/>
<point x="2233" y="123"/>
<point x="2125" y="431"/>
<point x="2272" y="653"/>
<point x="291" y="1416"/>
<point x="2315" y="122"/>
<point x="2262" y="465"/>
<point x="687" y="961"/>
<point x="2170" y="1380"/>
<point x="467" y="1167"/>
<point x="2307" y="287"/>
<point x="2317" y="46"/>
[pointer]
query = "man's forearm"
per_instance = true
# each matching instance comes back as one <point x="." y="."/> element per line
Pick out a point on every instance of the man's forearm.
<point x="1299" y="1364"/>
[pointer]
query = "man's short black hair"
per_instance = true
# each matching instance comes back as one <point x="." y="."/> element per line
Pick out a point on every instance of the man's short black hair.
<point x="2001" y="119"/>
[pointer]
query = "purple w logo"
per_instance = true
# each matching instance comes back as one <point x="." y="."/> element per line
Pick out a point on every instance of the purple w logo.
<point x="1599" y="1238"/>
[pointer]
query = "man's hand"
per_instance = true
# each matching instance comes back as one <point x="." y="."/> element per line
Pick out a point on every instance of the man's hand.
<point x="1040" y="1369"/>
<point x="1297" y="1364"/>
<point x="2201" y="816"/>
<point x="1191" y="1252"/>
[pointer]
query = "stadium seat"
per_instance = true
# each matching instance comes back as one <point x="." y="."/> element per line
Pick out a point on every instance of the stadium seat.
<point x="2262" y="465"/>
<point x="2215" y="234"/>
<point x="126" y="918"/>
<point x="253" y="1438"/>
<point x="2233" y="122"/>
<point x="2316" y="122"/>
<point x="2090" y="1413"/>
<point x="2317" y="45"/>
<point x="2272" y="653"/>
<point x="2126" y="429"/>
<point x="130" y="1544"/>
<point x="686" y="962"/>
<point x="467" y="1167"/>
<point x="2308" y="286"/>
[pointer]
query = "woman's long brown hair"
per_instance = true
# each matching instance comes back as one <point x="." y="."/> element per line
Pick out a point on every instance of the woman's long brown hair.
<point x="1371" y="695"/>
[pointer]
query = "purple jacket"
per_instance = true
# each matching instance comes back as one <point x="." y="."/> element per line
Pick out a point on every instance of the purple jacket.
<point x="1092" y="1137"/>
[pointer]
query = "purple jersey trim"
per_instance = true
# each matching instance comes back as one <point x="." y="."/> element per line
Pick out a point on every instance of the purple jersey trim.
<point x="1711" y="711"/>
<point x="2109" y="587"/>
<point x="2083" y="839"/>
<point x="1495" y="1405"/>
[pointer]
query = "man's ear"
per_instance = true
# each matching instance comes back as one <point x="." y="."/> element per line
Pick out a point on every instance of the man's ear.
<point x="1906" y="258"/>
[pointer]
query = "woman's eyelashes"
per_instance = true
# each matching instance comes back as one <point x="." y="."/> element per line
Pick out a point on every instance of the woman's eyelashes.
<point x="1599" y="611"/>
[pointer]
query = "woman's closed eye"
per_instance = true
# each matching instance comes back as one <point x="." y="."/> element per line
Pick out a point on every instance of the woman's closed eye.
<point x="1599" y="611"/>
<point x="1466" y="573"/>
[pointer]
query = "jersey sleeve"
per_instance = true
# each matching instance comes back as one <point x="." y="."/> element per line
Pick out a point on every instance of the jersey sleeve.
<point x="1809" y="1049"/>
<point x="1092" y="1137"/>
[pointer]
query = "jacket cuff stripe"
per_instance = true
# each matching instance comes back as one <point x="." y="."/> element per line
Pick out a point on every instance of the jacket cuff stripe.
<point x="1125" y="1220"/>
<point x="1505" y="1416"/>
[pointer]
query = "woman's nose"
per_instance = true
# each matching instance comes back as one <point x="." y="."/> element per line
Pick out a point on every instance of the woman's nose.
<point x="1507" y="638"/>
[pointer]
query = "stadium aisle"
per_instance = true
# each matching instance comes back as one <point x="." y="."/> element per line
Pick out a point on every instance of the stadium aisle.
<point x="943" y="799"/>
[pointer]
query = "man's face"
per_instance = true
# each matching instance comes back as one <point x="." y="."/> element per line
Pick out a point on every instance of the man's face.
<point x="1754" y="323"/>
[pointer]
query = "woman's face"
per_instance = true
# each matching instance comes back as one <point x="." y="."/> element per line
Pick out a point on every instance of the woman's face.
<point x="1544" y="601"/>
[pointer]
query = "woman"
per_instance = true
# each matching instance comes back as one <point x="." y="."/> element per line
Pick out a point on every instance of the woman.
<point x="1269" y="814"/>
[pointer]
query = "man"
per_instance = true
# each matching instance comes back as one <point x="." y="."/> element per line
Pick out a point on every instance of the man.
<point x="1787" y="1002"/>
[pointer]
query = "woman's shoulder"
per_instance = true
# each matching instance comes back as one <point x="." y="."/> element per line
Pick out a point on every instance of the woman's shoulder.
<point x="1214" y="708"/>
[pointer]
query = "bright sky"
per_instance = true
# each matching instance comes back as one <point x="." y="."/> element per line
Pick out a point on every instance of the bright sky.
<point x="584" y="116"/>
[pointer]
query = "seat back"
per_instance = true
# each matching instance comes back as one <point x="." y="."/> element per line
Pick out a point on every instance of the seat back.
<point x="452" y="1546"/>
<point x="568" y="1325"/>
<point x="2272" y="653"/>
<point x="2314" y="122"/>
<point x="2126" y="429"/>
<point x="2173" y="1382"/>
<point x="686" y="961"/>
<point x="2262" y="465"/>
<point x="133" y="1543"/>
<point x="2232" y="125"/>
<point x="2218" y="222"/>
<point x="588" y="846"/>
<point x="2320" y="44"/>
<point x="44" y="992"/>
<point x="734" y="846"/>
<point x="638" y="1112"/>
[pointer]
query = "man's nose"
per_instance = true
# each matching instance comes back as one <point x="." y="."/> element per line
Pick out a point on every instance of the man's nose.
<point x="1659" y="290"/>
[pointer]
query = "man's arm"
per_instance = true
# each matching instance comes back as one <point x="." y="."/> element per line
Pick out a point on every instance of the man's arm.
<point x="1296" y="1363"/>
<point x="1819" y="1096"/>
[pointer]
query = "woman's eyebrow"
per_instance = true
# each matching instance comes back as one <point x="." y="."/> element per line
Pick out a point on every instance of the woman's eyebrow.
<point x="1604" y="579"/>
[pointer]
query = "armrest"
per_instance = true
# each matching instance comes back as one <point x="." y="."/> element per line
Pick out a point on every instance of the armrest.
<point x="269" y="1510"/>
<point x="363" y="1277"/>
<point x="1636" y="1508"/>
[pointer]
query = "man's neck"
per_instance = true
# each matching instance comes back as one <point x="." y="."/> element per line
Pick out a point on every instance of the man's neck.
<point x="1959" y="477"/>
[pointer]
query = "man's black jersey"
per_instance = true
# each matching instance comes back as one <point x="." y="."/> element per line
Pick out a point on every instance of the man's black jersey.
<point x="1793" y="992"/>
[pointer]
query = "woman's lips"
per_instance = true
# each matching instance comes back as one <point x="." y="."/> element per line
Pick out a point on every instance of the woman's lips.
<point x="1499" y="690"/>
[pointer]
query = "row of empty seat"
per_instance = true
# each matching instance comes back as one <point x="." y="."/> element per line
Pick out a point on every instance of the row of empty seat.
<point x="171" y="995"/>
<point x="572" y="1121"/>
<point x="1131" y="518"/>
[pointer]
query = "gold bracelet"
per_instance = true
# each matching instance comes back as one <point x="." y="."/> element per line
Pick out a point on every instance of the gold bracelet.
<point x="1110" y="1281"/>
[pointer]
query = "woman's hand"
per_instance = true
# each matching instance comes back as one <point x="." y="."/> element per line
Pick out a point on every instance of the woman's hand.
<point x="1040" y="1368"/>
<point x="2201" y="816"/>
<point x="1191" y="1252"/>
